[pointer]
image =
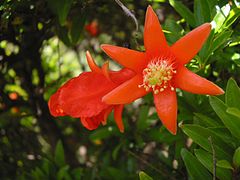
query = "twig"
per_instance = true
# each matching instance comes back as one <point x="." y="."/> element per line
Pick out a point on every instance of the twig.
<point x="214" y="157"/>
<point x="59" y="59"/>
<point x="128" y="12"/>
<point x="163" y="173"/>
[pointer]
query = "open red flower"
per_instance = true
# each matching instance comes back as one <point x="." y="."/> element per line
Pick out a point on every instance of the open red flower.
<point x="81" y="97"/>
<point x="161" y="70"/>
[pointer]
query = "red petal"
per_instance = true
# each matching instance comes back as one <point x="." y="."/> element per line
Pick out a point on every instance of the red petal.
<point x="126" y="92"/>
<point x="166" y="105"/>
<point x="82" y="96"/>
<point x="106" y="114"/>
<point x="92" y="65"/>
<point x="154" y="39"/>
<point x="188" y="81"/>
<point x="189" y="45"/>
<point x="118" y="117"/>
<point x="90" y="123"/>
<point x="105" y="70"/>
<point x="54" y="106"/>
<point x="121" y="76"/>
<point x="126" y="57"/>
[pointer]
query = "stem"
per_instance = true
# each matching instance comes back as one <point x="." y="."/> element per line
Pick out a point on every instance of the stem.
<point x="214" y="157"/>
<point x="128" y="13"/>
<point x="163" y="173"/>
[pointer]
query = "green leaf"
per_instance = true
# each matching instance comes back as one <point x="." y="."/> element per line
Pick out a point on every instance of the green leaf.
<point x="103" y="133"/>
<point x="63" y="173"/>
<point x="232" y="17"/>
<point x="59" y="157"/>
<point x="77" y="173"/>
<point x="78" y="22"/>
<point x="142" y="118"/>
<point x="62" y="33"/>
<point x="220" y="17"/>
<point x="175" y="29"/>
<point x="234" y="112"/>
<point x="220" y="39"/>
<point x="202" y="11"/>
<point x="194" y="168"/>
<point x="230" y="121"/>
<point x="184" y="12"/>
<point x="144" y="176"/>
<point x="61" y="9"/>
<point x="207" y="121"/>
<point x="205" y="52"/>
<point x="162" y="135"/>
<point x="116" y="151"/>
<point x="224" y="164"/>
<point x="37" y="173"/>
<point x="207" y="160"/>
<point x="232" y="96"/>
<point x="200" y="136"/>
<point x="236" y="157"/>
<point x="224" y="134"/>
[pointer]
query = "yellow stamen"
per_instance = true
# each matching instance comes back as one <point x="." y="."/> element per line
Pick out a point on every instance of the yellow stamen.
<point x="157" y="76"/>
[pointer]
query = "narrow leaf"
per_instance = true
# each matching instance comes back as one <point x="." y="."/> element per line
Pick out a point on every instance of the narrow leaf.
<point x="232" y="97"/>
<point x="200" y="136"/>
<point x="230" y="121"/>
<point x="209" y="122"/>
<point x="59" y="155"/>
<point x="144" y="176"/>
<point x="207" y="160"/>
<point x="234" y="112"/>
<point x="224" y="164"/>
<point x="183" y="11"/>
<point x="236" y="157"/>
<point x="195" y="169"/>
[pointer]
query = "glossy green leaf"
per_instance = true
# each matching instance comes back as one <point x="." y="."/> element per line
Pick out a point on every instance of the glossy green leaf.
<point x="236" y="157"/>
<point x="60" y="8"/>
<point x="200" y="136"/>
<point x="77" y="28"/>
<point x="202" y="11"/>
<point x="207" y="160"/>
<point x="62" y="33"/>
<point x="77" y="173"/>
<point x="220" y="17"/>
<point x="230" y="121"/>
<point x="144" y="176"/>
<point x="142" y="118"/>
<point x="63" y="173"/>
<point x="220" y="39"/>
<point x="194" y="168"/>
<point x="224" y="164"/>
<point x="232" y="17"/>
<point x="207" y="121"/>
<point x="59" y="157"/>
<point x="234" y="112"/>
<point x="183" y="11"/>
<point x="162" y="135"/>
<point x="175" y="29"/>
<point x="232" y="96"/>
<point x="37" y="173"/>
<point x="103" y="133"/>
<point x="225" y="135"/>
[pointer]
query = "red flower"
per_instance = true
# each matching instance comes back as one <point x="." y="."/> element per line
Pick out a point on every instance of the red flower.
<point x="92" y="28"/>
<point x="161" y="70"/>
<point x="81" y="97"/>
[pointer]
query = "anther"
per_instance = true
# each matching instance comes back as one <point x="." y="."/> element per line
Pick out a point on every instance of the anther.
<point x="157" y="75"/>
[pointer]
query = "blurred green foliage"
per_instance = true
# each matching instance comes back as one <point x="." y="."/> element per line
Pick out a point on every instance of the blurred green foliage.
<point x="43" y="44"/>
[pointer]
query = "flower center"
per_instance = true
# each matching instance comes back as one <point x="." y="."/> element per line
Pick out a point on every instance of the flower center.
<point x="157" y="76"/>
